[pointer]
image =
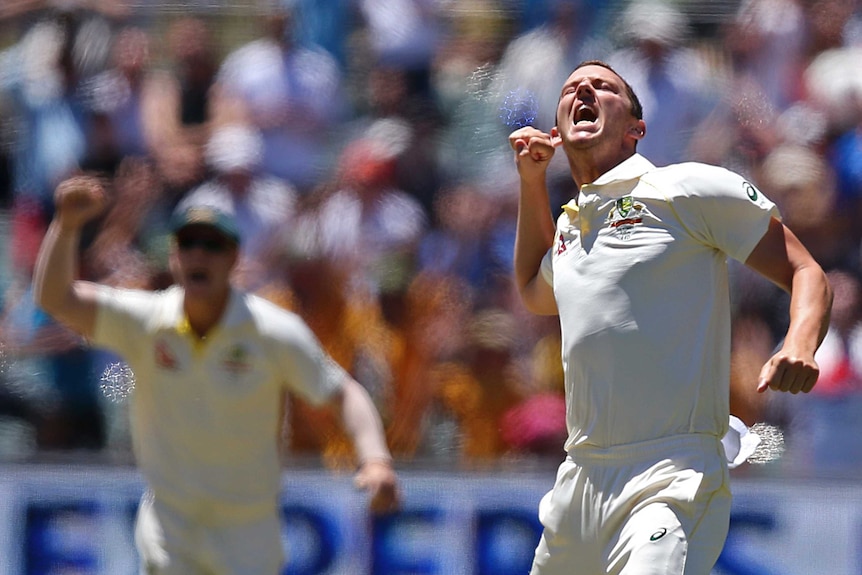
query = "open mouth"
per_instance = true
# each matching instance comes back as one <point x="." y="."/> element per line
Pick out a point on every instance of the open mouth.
<point x="585" y="115"/>
<point x="198" y="277"/>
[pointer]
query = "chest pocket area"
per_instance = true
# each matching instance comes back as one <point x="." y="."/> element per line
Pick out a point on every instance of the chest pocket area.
<point x="238" y="370"/>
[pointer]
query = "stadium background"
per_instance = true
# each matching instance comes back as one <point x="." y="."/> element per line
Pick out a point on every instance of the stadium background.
<point x="382" y="205"/>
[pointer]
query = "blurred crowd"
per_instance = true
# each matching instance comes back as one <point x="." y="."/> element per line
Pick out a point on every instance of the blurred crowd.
<point x="362" y="146"/>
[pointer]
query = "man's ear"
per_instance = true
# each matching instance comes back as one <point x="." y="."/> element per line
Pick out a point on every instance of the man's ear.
<point x="556" y="140"/>
<point x="638" y="130"/>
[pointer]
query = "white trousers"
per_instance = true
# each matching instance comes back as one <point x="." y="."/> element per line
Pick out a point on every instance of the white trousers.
<point x="170" y="543"/>
<point x="656" y="508"/>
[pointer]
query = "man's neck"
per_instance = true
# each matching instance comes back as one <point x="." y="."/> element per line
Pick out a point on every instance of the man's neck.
<point x="203" y="315"/>
<point x="587" y="168"/>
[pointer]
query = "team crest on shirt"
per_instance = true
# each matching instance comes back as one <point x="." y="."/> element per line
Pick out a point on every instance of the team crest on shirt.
<point x="625" y="214"/>
<point x="164" y="356"/>
<point x="236" y="360"/>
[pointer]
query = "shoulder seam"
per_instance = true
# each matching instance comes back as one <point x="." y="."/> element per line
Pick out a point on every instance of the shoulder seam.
<point x="672" y="208"/>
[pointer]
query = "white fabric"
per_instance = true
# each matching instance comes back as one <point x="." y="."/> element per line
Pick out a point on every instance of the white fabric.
<point x="639" y="270"/>
<point x="169" y="543"/>
<point x="205" y="414"/>
<point x="739" y="442"/>
<point x="646" y="509"/>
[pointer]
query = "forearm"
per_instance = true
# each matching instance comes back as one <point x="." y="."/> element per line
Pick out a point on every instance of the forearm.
<point x="534" y="232"/>
<point x="810" y="308"/>
<point x="781" y="257"/>
<point x="534" y="236"/>
<point x="54" y="280"/>
<point x="363" y="425"/>
<point x="56" y="267"/>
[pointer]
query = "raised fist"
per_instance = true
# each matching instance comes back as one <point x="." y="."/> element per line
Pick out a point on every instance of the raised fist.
<point x="78" y="200"/>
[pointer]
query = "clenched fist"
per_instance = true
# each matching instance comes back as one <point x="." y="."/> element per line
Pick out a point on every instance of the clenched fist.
<point x="379" y="480"/>
<point x="78" y="200"/>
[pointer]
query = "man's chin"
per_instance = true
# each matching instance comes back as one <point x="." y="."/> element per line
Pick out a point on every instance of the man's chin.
<point x="579" y="137"/>
<point x="587" y="133"/>
<point x="583" y="141"/>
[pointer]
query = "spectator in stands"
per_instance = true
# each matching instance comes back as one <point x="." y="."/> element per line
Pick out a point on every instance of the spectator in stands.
<point x="669" y="77"/>
<point x="179" y="107"/>
<point x="291" y="93"/>
<point x="481" y="385"/>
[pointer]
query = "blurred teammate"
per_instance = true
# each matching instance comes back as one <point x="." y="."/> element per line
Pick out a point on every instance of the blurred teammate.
<point x="636" y="269"/>
<point x="212" y="366"/>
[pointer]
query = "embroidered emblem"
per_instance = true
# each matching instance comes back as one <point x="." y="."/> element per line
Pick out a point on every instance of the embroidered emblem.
<point x="625" y="214"/>
<point x="164" y="357"/>
<point x="236" y="360"/>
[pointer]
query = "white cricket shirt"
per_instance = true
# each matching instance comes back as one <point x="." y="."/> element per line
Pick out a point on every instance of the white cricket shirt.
<point x="639" y="270"/>
<point x="205" y="413"/>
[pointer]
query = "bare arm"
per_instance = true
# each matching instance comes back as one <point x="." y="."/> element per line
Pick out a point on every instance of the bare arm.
<point x="781" y="257"/>
<point x="57" y="292"/>
<point x="362" y="423"/>
<point x="535" y="228"/>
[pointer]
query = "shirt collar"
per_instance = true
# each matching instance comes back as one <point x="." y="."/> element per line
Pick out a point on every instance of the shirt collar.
<point x="235" y="313"/>
<point x="629" y="169"/>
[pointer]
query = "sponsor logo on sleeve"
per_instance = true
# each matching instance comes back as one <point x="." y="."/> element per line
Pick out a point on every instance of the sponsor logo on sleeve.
<point x="658" y="534"/>
<point x="750" y="191"/>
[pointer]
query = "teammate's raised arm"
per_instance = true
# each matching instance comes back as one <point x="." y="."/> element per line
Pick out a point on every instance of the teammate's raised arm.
<point x="57" y="291"/>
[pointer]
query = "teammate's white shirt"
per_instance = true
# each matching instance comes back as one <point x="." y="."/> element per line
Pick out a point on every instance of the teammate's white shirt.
<point x="205" y="413"/>
<point x="647" y="356"/>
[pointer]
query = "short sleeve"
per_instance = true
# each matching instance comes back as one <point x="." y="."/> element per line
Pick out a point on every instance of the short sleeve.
<point x="307" y="369"/>
<point x="121" y="319"/>
<point x="718" y="207"/>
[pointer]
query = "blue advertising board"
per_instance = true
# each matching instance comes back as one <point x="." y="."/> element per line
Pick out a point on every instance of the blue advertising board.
<point x="80" y="520"/>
